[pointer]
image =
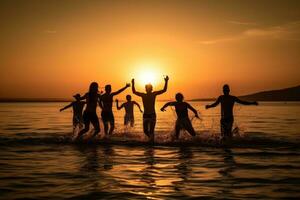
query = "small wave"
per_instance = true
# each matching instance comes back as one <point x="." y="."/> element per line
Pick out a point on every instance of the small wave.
<point x="204" y="139"/>
<point x="15" y="128"/>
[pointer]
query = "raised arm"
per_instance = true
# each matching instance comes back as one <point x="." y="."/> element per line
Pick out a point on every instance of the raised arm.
<point x="121" y="90"/>
<point x="193" y="110"/>
<point x="133" y="88"/>
<point x="165" y="87"/>
<point x="166" y="105"/>
<point x="245" y="102"/>
<point x="138" y="105"/>
<point x="66" y="107"/>
<point x="117" y="104"/>
<point x="214" y="104"/>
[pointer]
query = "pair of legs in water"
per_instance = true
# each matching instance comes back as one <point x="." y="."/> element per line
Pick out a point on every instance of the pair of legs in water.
<point x="108" y="122"/>
<point x="226" y="127"/>
<point x="88" y="118"/>
<point x="77" y="121"/>
<point x="129" y="119"/>
<point x="92" y="118"/>
<point x="184" y="124"/>
<point x="149" y="122"/>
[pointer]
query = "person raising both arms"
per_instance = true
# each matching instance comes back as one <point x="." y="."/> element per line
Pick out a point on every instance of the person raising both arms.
<point x="227" y="102"/>
<point x="89" y="115"/>
<point x="148" y="98"/>
<point x="129" y="116"/>
<point x="106" y="103"/>
<point x="183" y="121"/>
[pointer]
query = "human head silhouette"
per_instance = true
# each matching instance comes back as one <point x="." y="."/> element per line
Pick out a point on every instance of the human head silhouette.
<point x="128" y="97"/>
<point x="77" y="96"/>
<point x="93" y="87"/>
<point x="108" y="89"/>
<point x="179" y="97"/>
<point x="226" y="89"/>
<point x="148" y="88"/>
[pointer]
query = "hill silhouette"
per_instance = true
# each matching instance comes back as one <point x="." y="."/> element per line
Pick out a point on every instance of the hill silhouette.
<point x="287" y="94"/>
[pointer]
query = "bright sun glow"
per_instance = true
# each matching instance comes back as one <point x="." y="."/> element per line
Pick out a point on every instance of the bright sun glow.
<point x="148" y="74"/>
<point x="147" y="77"/>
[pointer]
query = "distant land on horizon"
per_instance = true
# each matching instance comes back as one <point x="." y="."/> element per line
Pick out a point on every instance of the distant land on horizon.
<point x="29" y="100"/>
<point x="286" y="94"/>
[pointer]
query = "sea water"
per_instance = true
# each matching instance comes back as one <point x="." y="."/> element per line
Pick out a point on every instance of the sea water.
<point x="39" y="160"/>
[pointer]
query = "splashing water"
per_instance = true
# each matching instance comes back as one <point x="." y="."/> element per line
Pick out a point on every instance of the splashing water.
<point x="39" y="159"/>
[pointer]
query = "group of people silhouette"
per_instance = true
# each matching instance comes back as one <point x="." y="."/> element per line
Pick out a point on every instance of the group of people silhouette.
<point x="92" y="98"/>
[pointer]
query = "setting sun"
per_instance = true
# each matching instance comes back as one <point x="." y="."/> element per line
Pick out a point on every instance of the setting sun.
<point x="148" y="73"/>
<point x="149" y="99"/>
<point x="147" y="77"/>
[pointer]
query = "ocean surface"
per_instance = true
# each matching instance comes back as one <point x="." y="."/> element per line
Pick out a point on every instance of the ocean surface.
<point x="39" y="160"/>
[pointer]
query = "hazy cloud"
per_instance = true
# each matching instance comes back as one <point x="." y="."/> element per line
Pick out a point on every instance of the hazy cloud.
<point x="288" y="31"/>
<point x="241" y="23"/>
<point x="50" y="31"/>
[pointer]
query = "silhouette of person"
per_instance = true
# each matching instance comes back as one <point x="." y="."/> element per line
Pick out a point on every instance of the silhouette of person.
<point x="77" y="111"/>
<point x="149" y="116"/>
<point x="90" y="115"/>
<point x="129" y="116"/>
<point x="183" y="121"/>
<point x="105" y="103"/>
<point x="227" y="102"/>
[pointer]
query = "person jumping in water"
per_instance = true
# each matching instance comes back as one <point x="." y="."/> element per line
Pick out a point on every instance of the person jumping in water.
<point x="149" y="117"/>
<point x="77" y="111"/>
<point x="183" y="121"/>
<point x="90" y="115"/>
<point x="106" y="103"/>
<point x="129" y="117"/>
<point x="227" y="102"/>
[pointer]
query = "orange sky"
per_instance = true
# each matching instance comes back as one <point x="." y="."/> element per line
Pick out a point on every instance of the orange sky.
<point x="56" y="48"/>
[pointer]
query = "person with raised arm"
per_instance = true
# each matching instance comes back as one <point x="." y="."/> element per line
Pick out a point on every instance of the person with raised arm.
<point x="148" y="98"/>
<point x="77" y="107"/>
<point x="106" y="103"/>
<point x="227" y="102"/>
<point x="183" y="121"/>
<point x="128" y="106"/>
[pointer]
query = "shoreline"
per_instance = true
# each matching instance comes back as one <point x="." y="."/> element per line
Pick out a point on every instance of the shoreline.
<point x="70" y="100"/>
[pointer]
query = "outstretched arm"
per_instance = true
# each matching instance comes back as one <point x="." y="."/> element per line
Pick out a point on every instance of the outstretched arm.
<point x="119" y="107"/>
<point x="166" y="105"/>
<point x="66" y="107"/>
<point x="138" y="105"/>
<point x="165" y="87"/>
<point x="245" y="102"/>
<point x="121" y="90"/>
<point x="133" y="88"/>
<point x="193" y="110"/>
<point x="83" y="97"/>
<point x="214" y="104"/>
